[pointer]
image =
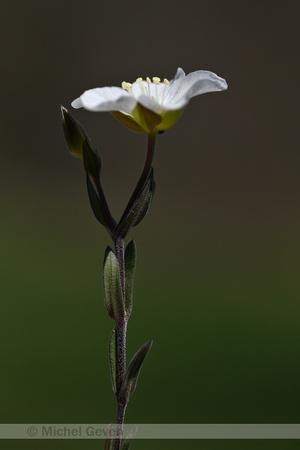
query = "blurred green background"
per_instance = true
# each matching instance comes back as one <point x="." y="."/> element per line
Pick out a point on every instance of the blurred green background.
<point x="217" y="282"/>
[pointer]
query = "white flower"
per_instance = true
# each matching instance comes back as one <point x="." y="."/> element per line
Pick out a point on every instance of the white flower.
<point x="150" y="106"/>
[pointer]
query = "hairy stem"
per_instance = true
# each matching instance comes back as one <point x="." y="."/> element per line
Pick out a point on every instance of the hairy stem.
<point x="120" y="343"/>
<point x="121" y="368"/>
<point x="122" y="326"/>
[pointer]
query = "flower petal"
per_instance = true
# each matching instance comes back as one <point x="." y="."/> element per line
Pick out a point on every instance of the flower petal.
<point x="195" y="83"/>
<point x="150" y="103"/>
<point x="174" y="88"/>
<point x="105" y="99"/>
<point x="203" y="81"/>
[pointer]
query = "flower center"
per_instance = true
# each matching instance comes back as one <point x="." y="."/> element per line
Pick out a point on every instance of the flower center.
<point x="154" y="89"/>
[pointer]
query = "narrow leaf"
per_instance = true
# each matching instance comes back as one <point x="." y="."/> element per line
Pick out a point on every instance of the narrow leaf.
<point x="139" y="208"/>
<point x="74" y="132"/>
<point x="91" y="159"/>
<point x="112" y="359"/>
<point x="128" y="440"/>
<point x="130" y="262"/>
<point x="109" y="441"/>
<point x="112" y="287"/>
<point x="99" y="207"/>
<point x="130" y="380"/>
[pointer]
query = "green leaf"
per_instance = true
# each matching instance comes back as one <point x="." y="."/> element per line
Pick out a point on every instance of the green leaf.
<point x="112" y="287"/>
<point x="139" y="208"/>
<point x="99" y="207"/>
<point x="130" y="262"/>
<point x="107" y="444"/>
<point x="130" y="380"/>
<point x="74" y="132"/>
<point x="112" y="351"/>
<point x="91" y="160"/>
<point x="128" y="440"/>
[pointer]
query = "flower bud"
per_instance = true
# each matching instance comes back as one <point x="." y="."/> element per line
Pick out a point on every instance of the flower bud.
<point x="74" y="133"/>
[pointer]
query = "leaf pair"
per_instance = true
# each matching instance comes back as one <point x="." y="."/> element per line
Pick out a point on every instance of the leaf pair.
<point x="140" y="206"/>
<point x="80" y="146"/>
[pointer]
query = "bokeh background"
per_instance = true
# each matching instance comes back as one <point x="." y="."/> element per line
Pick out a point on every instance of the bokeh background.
<point x="217" y="282"/>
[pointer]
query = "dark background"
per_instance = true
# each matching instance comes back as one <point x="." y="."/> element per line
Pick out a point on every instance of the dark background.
<point x="217" y="282"/>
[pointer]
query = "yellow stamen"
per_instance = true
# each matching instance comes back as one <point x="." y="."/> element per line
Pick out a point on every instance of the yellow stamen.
<point x="126" y="86"/>
<point x="149" y="82"/>
<point x="155" y="80"/>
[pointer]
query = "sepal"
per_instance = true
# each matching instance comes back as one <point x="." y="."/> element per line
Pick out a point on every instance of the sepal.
<point x="128" y="121"/>
<point x="146" y="118"/>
